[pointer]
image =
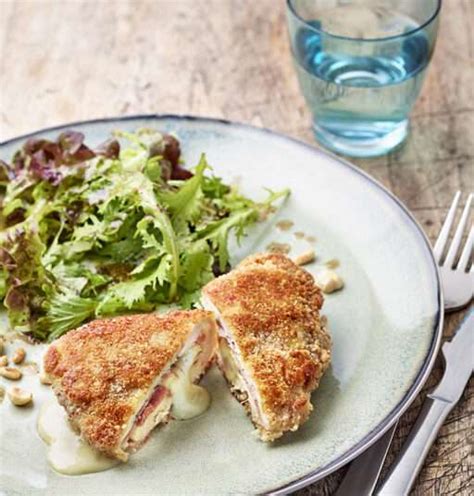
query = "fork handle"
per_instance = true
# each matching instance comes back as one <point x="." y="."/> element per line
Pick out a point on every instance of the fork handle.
<point x="410" y="460"/>
<point x="364" y="471"/>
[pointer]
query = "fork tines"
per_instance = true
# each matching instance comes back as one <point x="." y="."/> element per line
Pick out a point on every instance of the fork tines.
<point x="438" y="250"/>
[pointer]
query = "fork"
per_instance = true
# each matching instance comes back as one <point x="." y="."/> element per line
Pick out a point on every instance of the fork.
<point x="457" y="283"/>
<point x="458" y="287"/>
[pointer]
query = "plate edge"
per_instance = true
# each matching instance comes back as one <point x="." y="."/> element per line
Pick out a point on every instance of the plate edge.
<point x="430" y="358"/>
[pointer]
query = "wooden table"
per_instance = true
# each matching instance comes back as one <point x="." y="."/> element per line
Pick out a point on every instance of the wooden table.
<point x="63" y="61"/>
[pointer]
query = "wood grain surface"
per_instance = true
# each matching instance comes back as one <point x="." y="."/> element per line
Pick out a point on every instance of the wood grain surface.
<point x="63" y="61"/>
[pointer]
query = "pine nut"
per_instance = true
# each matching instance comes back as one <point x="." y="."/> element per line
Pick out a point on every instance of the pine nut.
<point x="19" y="356"/>
<point x="306" y="257"/>
<point x="11" y="373"/>
<point x="19" y="397"/>
<point x="329" y="281"/>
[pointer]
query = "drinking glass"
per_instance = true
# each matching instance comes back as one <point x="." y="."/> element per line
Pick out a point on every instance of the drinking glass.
<point x="361" y="65"/>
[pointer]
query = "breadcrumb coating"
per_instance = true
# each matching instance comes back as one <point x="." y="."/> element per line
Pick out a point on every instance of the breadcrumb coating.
<point x="271" y="308"/>
<point x="102" y="371"/>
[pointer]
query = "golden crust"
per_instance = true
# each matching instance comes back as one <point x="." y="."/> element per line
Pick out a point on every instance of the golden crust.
<point x="271" y="307"/>
<point x="102" y="371"/>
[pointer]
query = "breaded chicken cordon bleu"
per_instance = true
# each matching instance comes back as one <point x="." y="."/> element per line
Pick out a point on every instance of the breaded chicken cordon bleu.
<point x="273" y="347"/>
<point x="119" y="378"/>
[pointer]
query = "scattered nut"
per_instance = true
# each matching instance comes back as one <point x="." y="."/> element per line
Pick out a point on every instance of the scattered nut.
<point x="20" y="397"/>
<point x="332" y="264"/>
<point x="3" y="361"/>
<point x="329" y="281"/>
<point x="306" y="257"/>
<point x="2" y="393"/>
<point x="19" y="355"/>
<point x="45" y="379"/>
<point x="285" y="224"/>
<point x="11" y="373"/>
<point x="275" y="247"/>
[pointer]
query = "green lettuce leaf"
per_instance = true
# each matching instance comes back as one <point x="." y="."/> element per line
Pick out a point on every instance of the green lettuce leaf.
<point x="65" y="311"/>
<point x="128" y="293"/>
<point x="185" y="203"/>
<point x="121" y="228"/>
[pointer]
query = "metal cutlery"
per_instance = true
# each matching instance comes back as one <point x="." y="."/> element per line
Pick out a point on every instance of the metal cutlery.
<point x="458" y="286"/>
<point x="459" y="358"/>
<point x="457" y="282"/>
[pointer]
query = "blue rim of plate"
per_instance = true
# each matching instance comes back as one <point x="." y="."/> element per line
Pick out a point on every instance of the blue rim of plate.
<point x="375" y="434"/>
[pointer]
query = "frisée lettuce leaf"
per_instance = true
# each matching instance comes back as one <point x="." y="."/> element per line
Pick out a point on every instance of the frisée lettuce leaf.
<point x="120" y="228"/>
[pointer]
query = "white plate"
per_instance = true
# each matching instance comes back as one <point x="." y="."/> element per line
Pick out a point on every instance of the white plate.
<point x="385" y="326"/>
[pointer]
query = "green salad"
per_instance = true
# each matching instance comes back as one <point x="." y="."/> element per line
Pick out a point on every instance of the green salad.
<point x="95" y="232"/>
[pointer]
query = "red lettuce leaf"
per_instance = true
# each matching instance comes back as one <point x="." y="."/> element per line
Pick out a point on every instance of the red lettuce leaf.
<point x="172" y="153"/>
<point x="109" y="149"/>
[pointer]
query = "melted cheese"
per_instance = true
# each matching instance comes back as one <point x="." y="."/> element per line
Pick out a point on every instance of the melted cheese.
<point x="229" y="367"/>
<point x="67" y="453"/>
<point x="189" y="399"/>
<point x="160" y="414"/>
<point x="183" y="398"/>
